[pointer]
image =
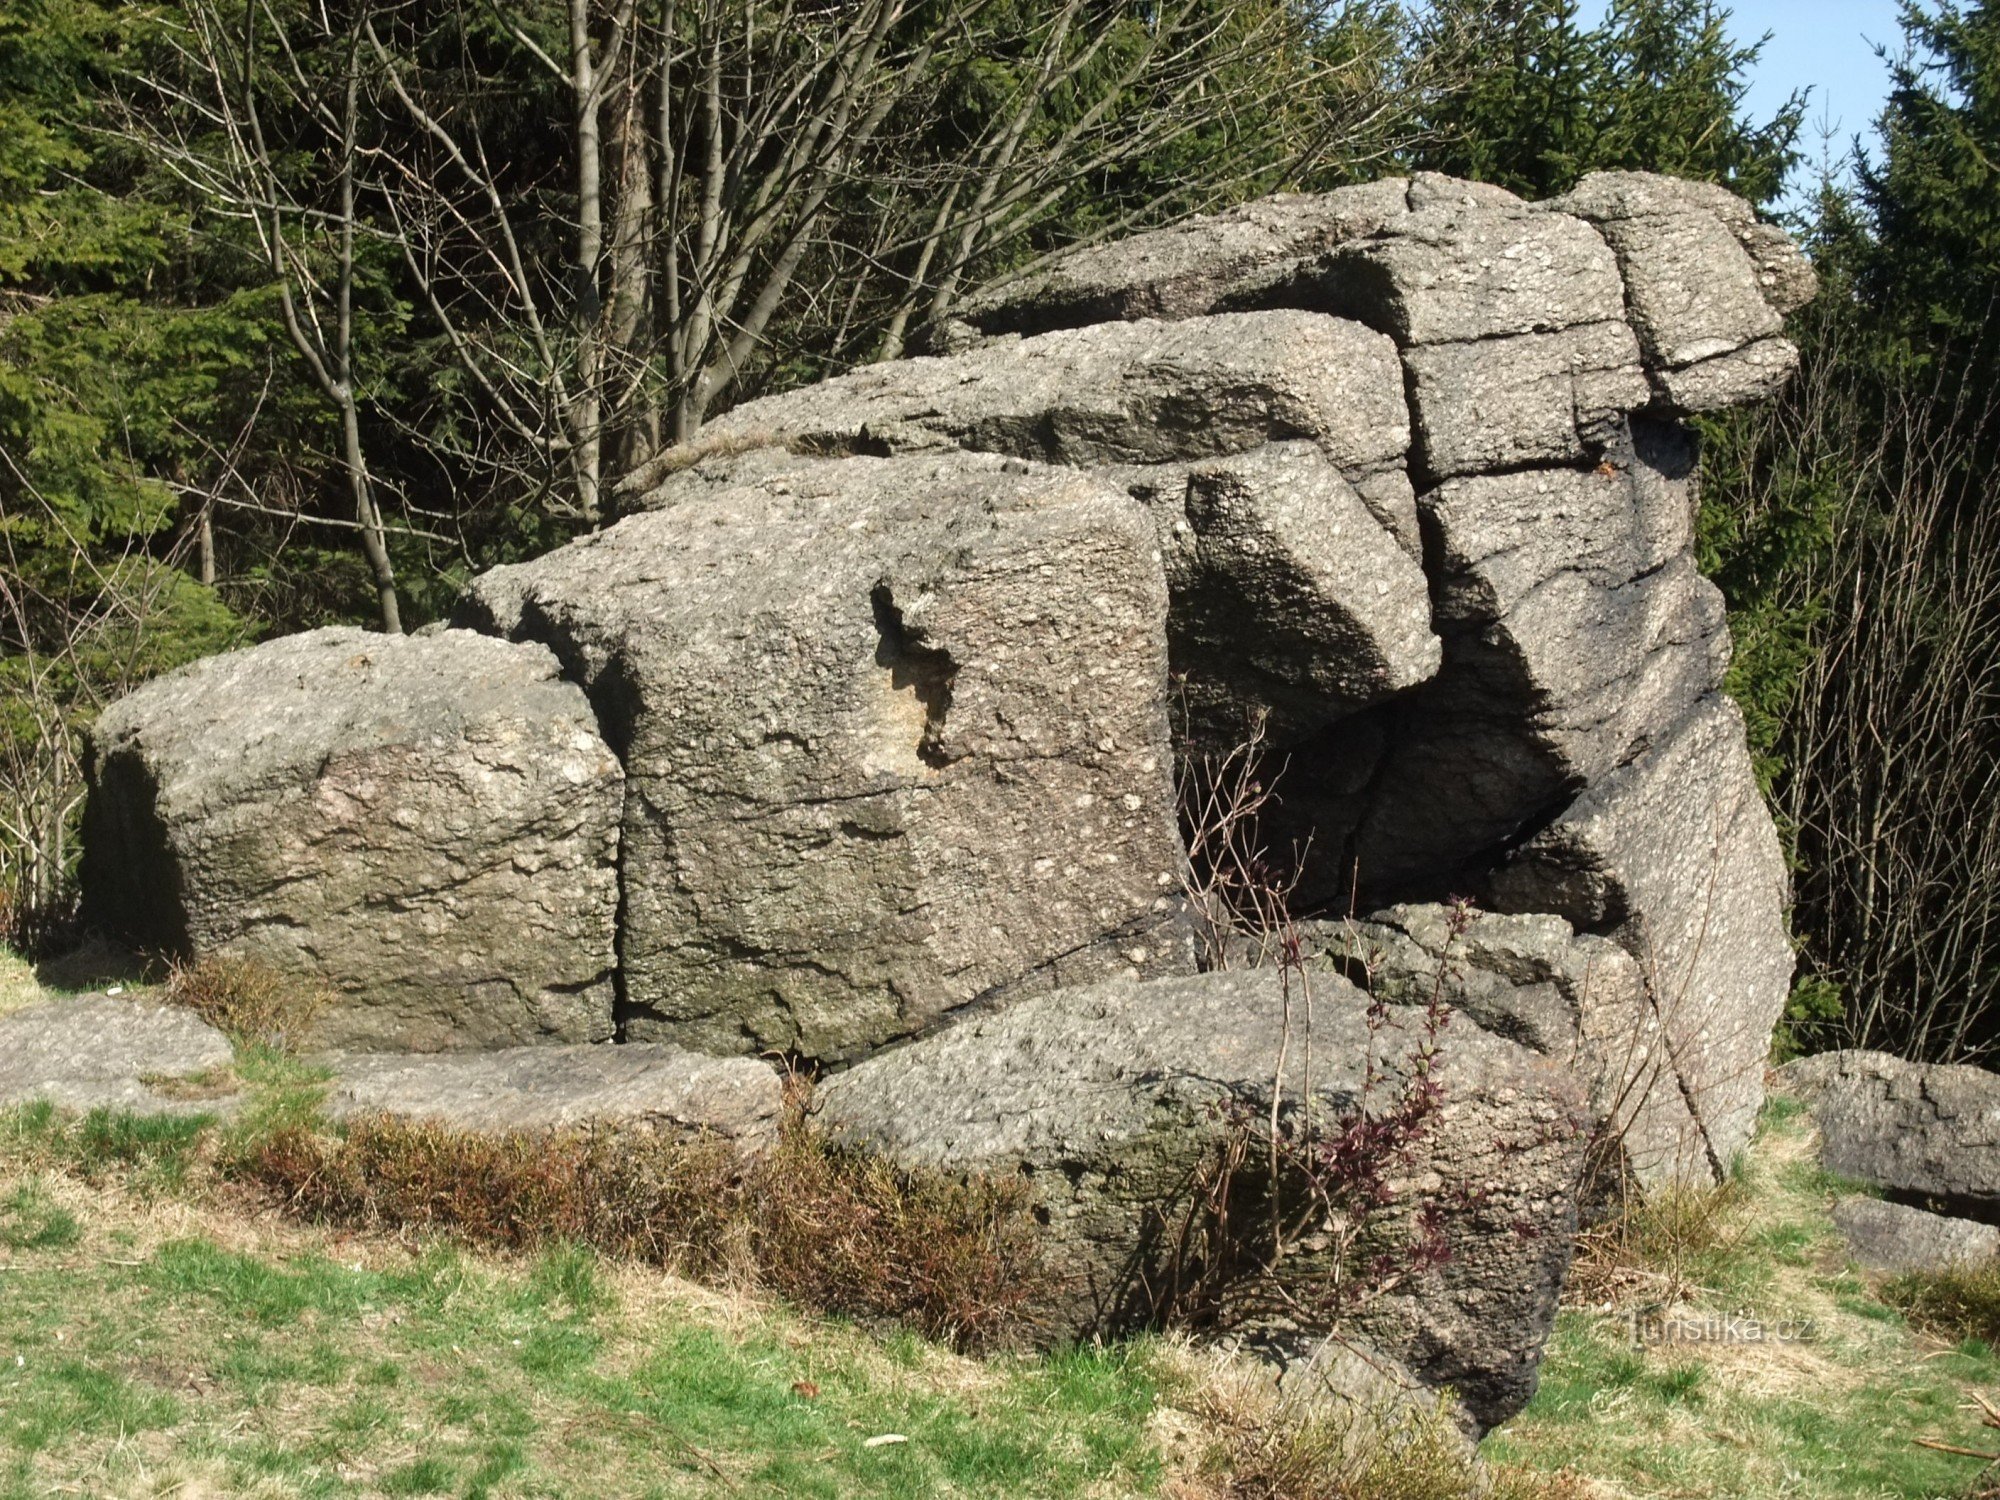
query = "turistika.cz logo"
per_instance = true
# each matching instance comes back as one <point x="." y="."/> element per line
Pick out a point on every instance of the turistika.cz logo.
<point x="1650" y="1329"/>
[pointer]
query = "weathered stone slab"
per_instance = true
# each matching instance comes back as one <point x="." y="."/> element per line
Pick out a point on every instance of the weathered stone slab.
<point x="1886" y="1236"/>
<point x="110" y="1052"/>
<point x="1455" y="273"/>
<point x="658" y="1087"/>
<point x="1538" y="398"/>
<point x="1119" y="393"/>
<point x="1113" y="1100"/>
<point x="1676" y="856"/>
<point x="1929" y="1131"/>
<point x="427" y="826"/>
<point x="1187" y="269"/>
<point x="895" y="735"/>
<point x="1742" y="377"/>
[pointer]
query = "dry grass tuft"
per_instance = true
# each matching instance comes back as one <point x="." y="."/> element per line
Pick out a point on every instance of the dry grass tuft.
<point x="1666" y="1242"/>
<point x="1960" y="1303"/>
<point x="628" y="1193"/>
<point x="248" y="1001"/>
<point x="830" y="1231"/>
<point x="959" y="1259"/>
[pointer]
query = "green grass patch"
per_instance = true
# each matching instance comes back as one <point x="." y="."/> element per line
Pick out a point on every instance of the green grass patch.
<point x="156" y="1152"/>
<point x="31" y="1220"/>
<point x="1821" y="1390"/>
<point x="461" y="1376"/>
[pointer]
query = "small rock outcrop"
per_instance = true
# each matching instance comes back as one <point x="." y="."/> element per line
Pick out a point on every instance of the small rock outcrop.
<point x="1116" y="1101"/>
<point x="1894" y="1237"/>
<point x="855" y="740"/>
<point x="426" y="825"/>
<point x="111" y="1052"/>
<point x="1928" y="1133"/>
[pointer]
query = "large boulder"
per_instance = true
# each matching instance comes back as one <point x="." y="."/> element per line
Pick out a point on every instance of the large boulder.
<point x="1925" y="1132"/>
<point x="427" y="826"/>
<point x="1267" y="446"/>
<point x="1117" y="1102"/>
<point x="895" y="740"/>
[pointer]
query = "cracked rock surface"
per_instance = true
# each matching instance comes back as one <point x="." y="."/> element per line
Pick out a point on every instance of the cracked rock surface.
<point x="898" y="664"/>
<point x="427" y="826"/>
<point x="667" y="1089"/>
<point x="895" y="740"/>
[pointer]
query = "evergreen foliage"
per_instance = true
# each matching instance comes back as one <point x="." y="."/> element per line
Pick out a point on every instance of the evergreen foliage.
<point x="1657" y="86"/>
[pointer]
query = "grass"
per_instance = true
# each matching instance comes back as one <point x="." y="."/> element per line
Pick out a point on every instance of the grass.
<point x="166" y="1327"/>
<point x="1829" y="1402"/>
<point x="168" y="1344"/>
<point x="1961" y="1304"/>
<point x="832" y="1232"/>
<point x="248" y="1002"/>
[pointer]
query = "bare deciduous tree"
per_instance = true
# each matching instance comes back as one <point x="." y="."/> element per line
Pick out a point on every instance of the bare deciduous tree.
<point x="1890" y="782"/>
<point x="212" y="135"/>
<point x="745" y="180"/>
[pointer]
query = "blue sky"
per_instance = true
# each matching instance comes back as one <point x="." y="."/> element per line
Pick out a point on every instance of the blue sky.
<point x="1827" y="46"/>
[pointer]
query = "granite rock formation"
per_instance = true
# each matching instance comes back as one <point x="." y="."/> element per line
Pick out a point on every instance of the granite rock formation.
<point x="855" y="740"/>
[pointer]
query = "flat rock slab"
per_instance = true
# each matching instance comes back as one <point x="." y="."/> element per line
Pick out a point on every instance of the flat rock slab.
<point x="109" y="1052"/>
<point x="545" y="1088"/>
<point x="1116" y="393"/>
<point x="1187" y="269"/>
<point x="1928" y="1130"/>
<point x="1888" y="1236"/>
